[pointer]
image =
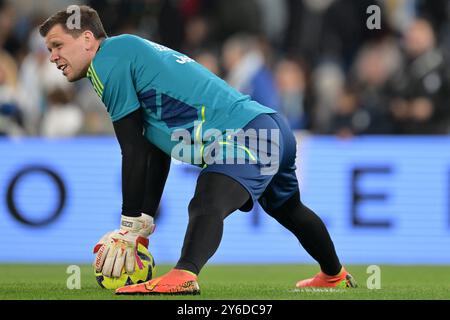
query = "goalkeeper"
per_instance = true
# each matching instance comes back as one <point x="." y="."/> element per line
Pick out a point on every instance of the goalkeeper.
<point x="153" y="93"/>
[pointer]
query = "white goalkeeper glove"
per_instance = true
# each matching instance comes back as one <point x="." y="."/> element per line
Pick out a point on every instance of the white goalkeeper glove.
<point x="117" y="249"/>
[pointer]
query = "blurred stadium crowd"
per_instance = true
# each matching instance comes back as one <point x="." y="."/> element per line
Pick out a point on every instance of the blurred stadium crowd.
<point x="313" y="60"/>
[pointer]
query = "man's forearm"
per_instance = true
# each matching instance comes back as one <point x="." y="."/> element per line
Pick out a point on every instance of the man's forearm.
<point x="158" y="166"/>
<point x="134" y="160"/>
<point x="144" y="168"/>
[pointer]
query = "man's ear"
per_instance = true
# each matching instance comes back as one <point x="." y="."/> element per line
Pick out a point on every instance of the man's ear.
<point x="89" y="40"/>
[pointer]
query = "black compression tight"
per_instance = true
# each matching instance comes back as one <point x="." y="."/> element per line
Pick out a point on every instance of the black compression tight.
<point x="310" y="231"/>
<point x="217" y="196"/>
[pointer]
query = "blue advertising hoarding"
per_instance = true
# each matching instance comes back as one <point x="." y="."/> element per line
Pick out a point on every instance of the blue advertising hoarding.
<point x="384" y="200"/>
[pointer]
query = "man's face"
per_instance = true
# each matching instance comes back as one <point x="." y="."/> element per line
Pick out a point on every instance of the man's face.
<point x="71" y="55"/>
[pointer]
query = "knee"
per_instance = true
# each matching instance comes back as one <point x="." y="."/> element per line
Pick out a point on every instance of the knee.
<point x="195" y="207"/>
<point x="200" y="206"/>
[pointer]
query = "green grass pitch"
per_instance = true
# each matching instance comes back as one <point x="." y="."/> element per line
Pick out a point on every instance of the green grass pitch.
<point x="233" y="282"/>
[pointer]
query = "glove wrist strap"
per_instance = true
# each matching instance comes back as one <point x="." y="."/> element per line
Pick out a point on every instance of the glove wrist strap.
<point x="142" y="226"/>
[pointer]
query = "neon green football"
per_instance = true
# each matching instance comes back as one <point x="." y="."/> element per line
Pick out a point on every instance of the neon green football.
<point x="138" y="276"/>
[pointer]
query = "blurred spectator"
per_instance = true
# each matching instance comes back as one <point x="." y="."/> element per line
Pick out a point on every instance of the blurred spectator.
<point x="328" y="80"/>
<point x="400" y="13"/>
<point x="236" y="16"/>
<point x="11" y="114"/>
<point x="247" y="71"/>
<point x="437" y="12"/>
<point x="9" y="69"/>
<point x="11" y="117"/>
<point x="305" y="28"/>
<point x="208" y="59"/>
<point x="291" y="84"/>
<point x="197" y="35"/>
<point x="96" y="119"/>
<point x="38" y="77"/>
<point x="349" y="118"/>
<point x="273" y="19"/>
<point x="171" y="24"/>
<point x="420" y="90"/>
<point x="63" y="118"/>
<point x="331" y="29"/>
<point x="375" y="64"/>
<point x="8" y="41"/>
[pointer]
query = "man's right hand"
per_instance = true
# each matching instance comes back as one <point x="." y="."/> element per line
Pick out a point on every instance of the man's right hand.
<point x="117" y="250"/>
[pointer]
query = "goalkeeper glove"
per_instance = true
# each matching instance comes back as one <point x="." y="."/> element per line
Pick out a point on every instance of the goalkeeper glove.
<point x="117" y="250"/>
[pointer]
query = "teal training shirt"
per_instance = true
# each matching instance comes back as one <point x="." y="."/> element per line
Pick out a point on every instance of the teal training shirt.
<point x="177" y="95"/>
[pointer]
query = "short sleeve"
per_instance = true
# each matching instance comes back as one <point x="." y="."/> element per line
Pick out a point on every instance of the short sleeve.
<point x="119" y="93"/>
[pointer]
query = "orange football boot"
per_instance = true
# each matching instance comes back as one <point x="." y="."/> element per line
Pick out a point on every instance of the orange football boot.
<point x="321" y="280"/>
<point x="175" y="282"/>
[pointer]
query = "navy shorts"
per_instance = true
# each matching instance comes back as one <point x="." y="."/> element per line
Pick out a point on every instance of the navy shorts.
<point x="270" y="178"/>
